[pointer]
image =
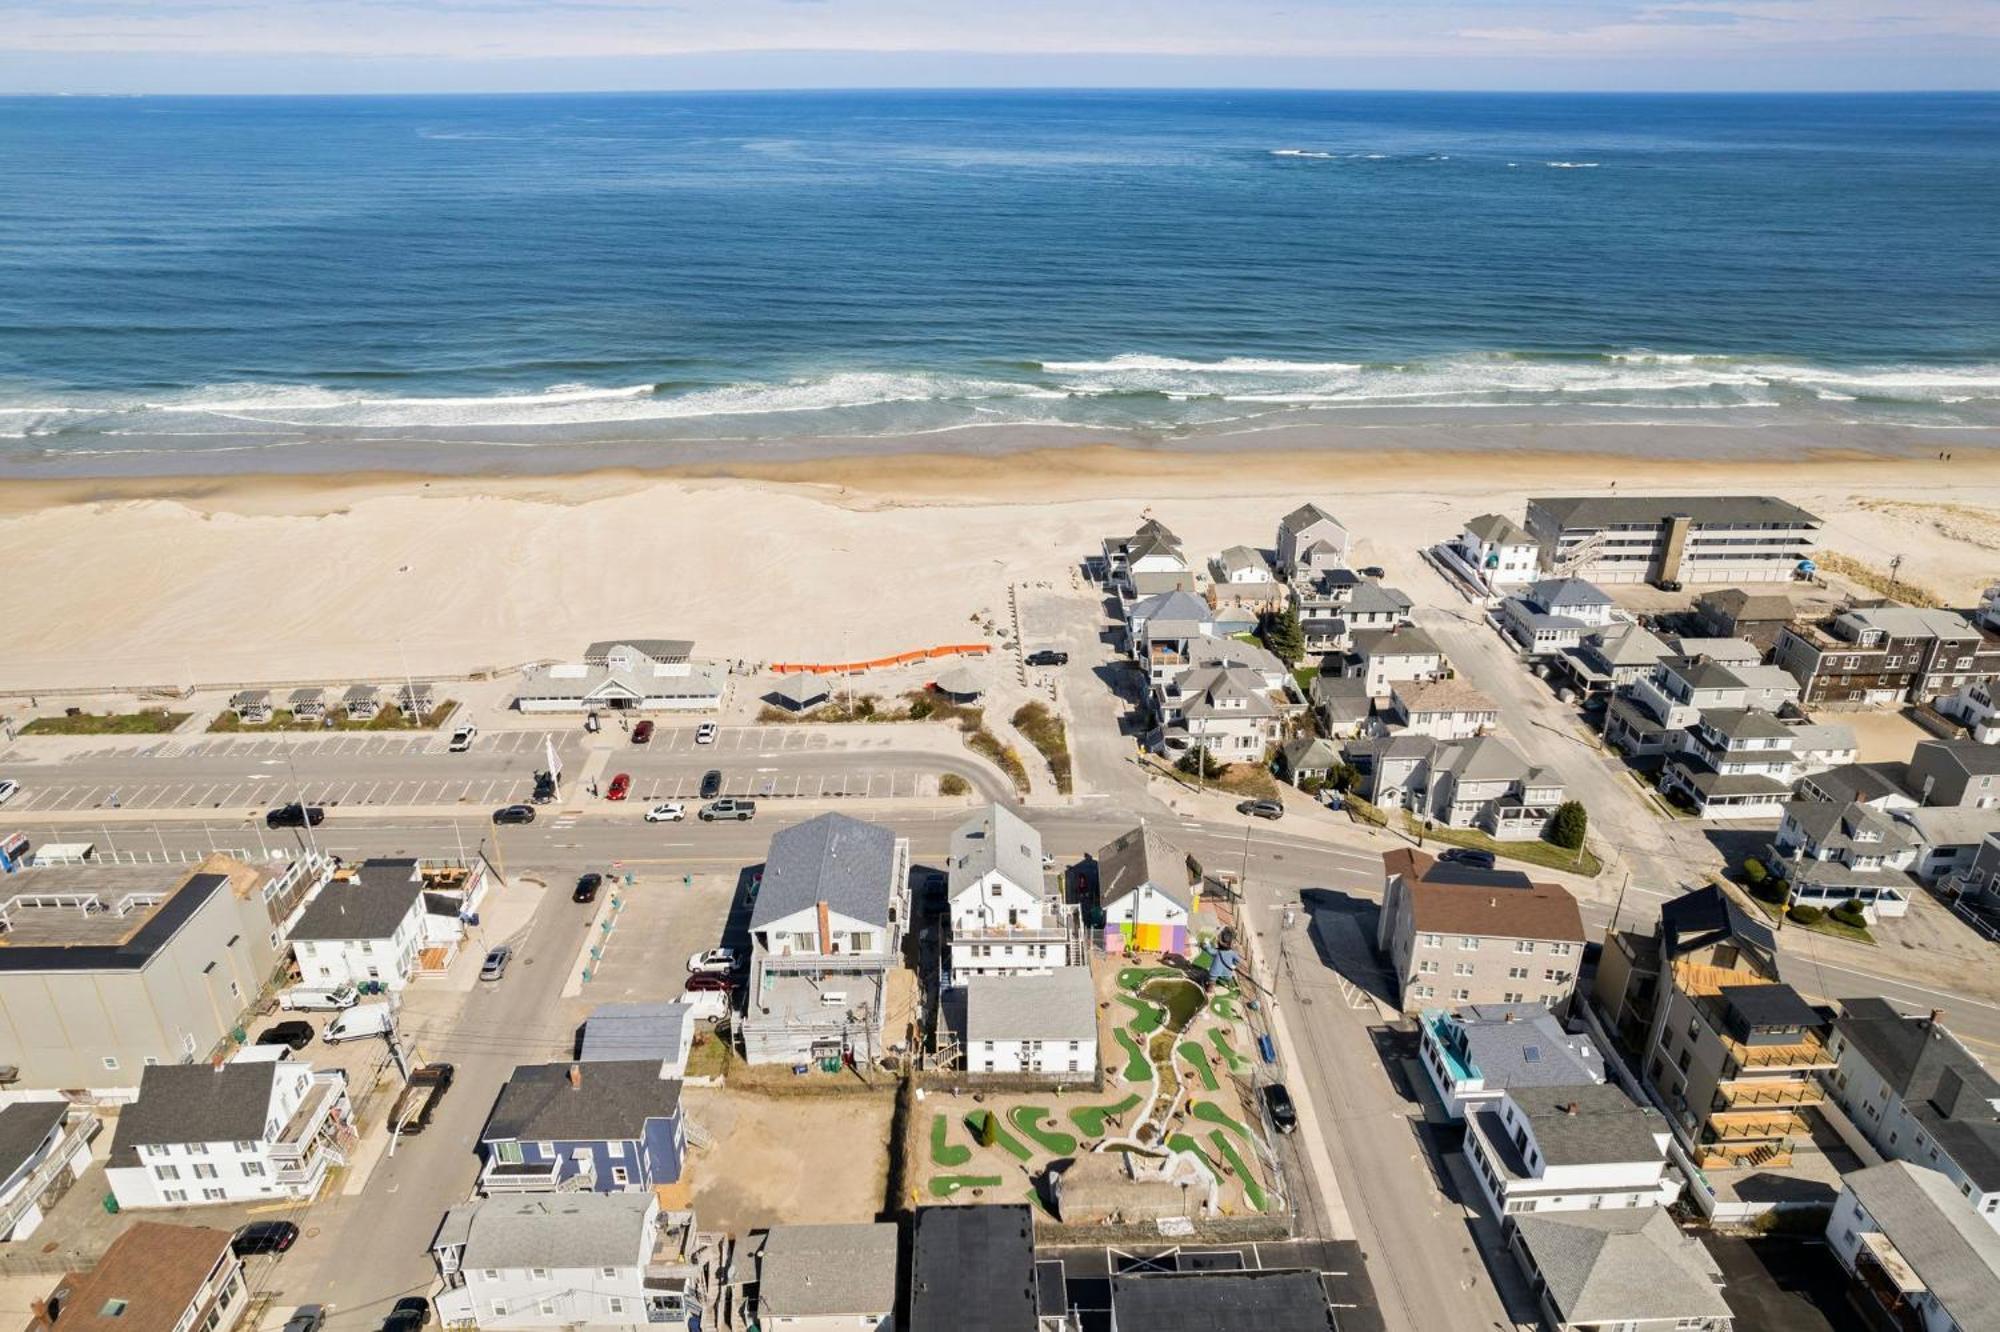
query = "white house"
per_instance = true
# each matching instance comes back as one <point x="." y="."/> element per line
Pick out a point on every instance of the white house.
<point x="1383" y="657"/>
<point x="1976" y="707"/>
<point x="1443" y="709"/>
<point x="1630" y="1269"/>
<point x="560" y="1260"/>
<point x="1242" y="575"/>
<point x="369" y="925"/>
<point x="1226" y="710"/>
<point x="1585" y="1147"/>
<point x="1475" y="1053"/>
<point x="638" y="675"/>
<point x="1042" y="1024"/>
<point x="1311" y="539"/>
<point x="1498" y="552"/>
<point x="256" y="1128"/>
<point x="1916" y="1250"/>
<point x="1148" y="890"/>
<point x="1003" y="920"/>
<point x="1148" y="562"/>
<point x="826" y="1278"/>
<point x="1832" y="853"/>
<point x="44" y="1146"/>
<point x="1553" y="615"/>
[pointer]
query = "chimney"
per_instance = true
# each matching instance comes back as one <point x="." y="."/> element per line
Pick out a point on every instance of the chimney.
<point x="576" y="1077"/>
<point x="216" y="1063"/>
<point x="1510" y="1015"/>
<point x="1571" y="1108"/>
<point x="1935" y="1019"/>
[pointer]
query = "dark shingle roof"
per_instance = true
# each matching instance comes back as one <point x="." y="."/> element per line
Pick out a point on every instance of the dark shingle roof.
<point x="1258" y="1301"/>
<point x="23" y="1125"/>
<point x="1592" y="1123"/>
<point x="1945" y="1087"/>
<point x="371" y="907"/>
<point x="972" y="1269"/>
<point x="1709" y="915"/>
<point x="613" y="1102"/>
<point x="194" y="1103"/>
<point x="1602" y="510"/>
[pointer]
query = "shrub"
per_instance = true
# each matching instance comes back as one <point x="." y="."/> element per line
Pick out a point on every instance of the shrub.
<point x="1851" y="913"/>
<point x="1569" y="824"/>
<point x="1312" y="785"/>
<point x="921" y="707"/>
<point x="1754" y="872"/>
<point x="1805" y="915"/>
<point x="951" y="784"/>
<point x="989" y="1130"/>
<point x="1773" y="891"/>
<point x="1198" y="762"/>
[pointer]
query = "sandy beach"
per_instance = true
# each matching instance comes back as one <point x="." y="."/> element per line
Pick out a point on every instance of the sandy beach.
<point x="130" y="581"/>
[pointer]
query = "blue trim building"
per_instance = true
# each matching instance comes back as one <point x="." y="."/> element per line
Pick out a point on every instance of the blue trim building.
<point x="611" y="1126"/>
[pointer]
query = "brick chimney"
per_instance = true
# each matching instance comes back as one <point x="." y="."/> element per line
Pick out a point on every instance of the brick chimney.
<point x="1571" y="1108"/>
<point x="576" y="1077"/>
<point x="1935" y="1019"/>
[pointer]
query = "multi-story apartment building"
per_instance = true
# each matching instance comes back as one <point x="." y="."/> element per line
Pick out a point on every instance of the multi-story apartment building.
<point x="1004" y="921"/>
<point x="153" y="1278"/>
<point x="1731" y="763"/>
<point x="1887" y="654"/>
<point x="1577" y="1148"/>
<point x="1644" y="716"/>
<point x="1919" y="1096"/>
<point x="251" y="1130"/>
<point x="1692" y="539"/>
<point x="1458" y="935"/>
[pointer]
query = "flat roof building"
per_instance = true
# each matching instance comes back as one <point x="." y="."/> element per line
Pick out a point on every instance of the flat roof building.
<point x="1694" y="539"/>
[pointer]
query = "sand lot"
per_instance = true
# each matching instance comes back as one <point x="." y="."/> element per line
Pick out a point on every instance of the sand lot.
<point x="794" y="1158"/>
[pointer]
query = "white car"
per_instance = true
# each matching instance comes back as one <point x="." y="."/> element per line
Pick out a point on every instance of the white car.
<point x="705" y="733"/>
<point x="461" y="739"/>
<point x="673" y="811"/>
<point x="706" y="1005"/>
<point x="720" y="961"/>
<point x="7" y="790"/>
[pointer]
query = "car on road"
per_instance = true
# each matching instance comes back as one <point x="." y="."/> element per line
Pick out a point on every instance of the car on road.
<point x="514" y="814"/>
<point x="1277" y="1100"/>
<point x="586" y="887"/>
<point x="728" y="811"/>
<point x="620" y="787"/>
<point x="412" y="1313"/>
<point x="1262" y="809"/>
<point x="1048" y="657"/>
<point x="293" y="1035"/>
<point x="719" y="960"/>
<point x="306" y="1318"/>
<point x="295" y="816"/>
<point x="7" y="789"/>
<point x="711" y="784"/>
<point x="545" y="788"/>
<point x="461" y="739"/>
<point x="264" y="1237"/>
<point x="1373" y="571"/>
<point x="709" y="980"/>
<point x="671" y="811"/>
<point x="1469" y="857"/>
<point x="642" y="733"/>
<point x="495" y="965"/>
<point x="705" y="733"/>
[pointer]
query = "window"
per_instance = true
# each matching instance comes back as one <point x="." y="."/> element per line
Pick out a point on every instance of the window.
<point x="253" y="1168"/>
<point x="204" y="1172"/>
<point x="612" y="1303"/>
<point x="621" y="1177"/>
<point x="1463" y="969"/>
<point x="166" y="1172"/>
<point x="1517" y="973"/>
<point x="1461" y="995"/>
<point x="215" y="1195"/>
<point x="1468" y="944"/>
<point x="1433" y="941"/>
<point x="1524" y="945"/>
<point x="539" y="1273"/>
<point x="508" y="1152"/>
<point x="1427" y="968"/>
<point x="110" y="1064"/>
<point x="113" y="1309"/>
<point x="608" y="1273"/>
<point x="491" y="1273"/>
<point x="499" y="1308"/>
<point x="174" y="1195"/>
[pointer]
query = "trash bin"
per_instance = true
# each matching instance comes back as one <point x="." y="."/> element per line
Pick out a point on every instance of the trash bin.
<point x="111" y="1203"/>
<point x="1267" y="1049"/>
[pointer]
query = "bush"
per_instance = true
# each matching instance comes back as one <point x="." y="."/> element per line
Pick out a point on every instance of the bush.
<point x="1805" y="915"/>
<point x="951" y="784"/>
<point x="989" y="1130"/>
<point x="1851" y="913"/>
<point x="1198" y="762"/>
<point x="920" y="708"/>
<point x="1569" y="825"/>
<point x="1773" y="891"/>
<point x="1754" y="872"/>
<point x="1312" y="786"/>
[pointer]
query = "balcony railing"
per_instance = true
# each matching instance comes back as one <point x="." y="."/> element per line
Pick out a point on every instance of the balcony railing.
<point x="518" y="1176"/>
<point x="1752" y="1125"/>
<point x="78" y="1131"/>
<point x="1749" y="1094"/>
<point x="1807" y="1053"/>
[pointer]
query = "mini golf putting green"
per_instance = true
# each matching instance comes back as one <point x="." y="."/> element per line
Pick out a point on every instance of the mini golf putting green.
<point x="1237" y="1063"/>
<point x="1198" y="1057"/>
<point x="1131" y="978"/>
<point x="1090" y="1118"/>
<point x="1146" y="1015"/>
<point x="1181" y="1142"/>
<point x="943" y="1152"/>
<point x="943" y="1186"/>
<point x="976" y="1121"/>
<point x="1252" y="1190"/>
<point x="1137" y="1067"/>
<point x="1028" y="1119"/>
<point x="1211" y="1113"/>
<point x="1223" y="1005"/>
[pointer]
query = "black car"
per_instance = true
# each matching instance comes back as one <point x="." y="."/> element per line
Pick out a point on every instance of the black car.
<point x="586" y="888"/>
<point x="291" y="1035"/>
<point x="306" y="1318"/>
<point x="264" y="1237"/>
<point x="514" y="814"/>
<point x="1468" y="857"/>
<point x="545" y="787"/>
<point x="711" y="784"/>
<point x="295" y="816"/>
<point x="1048" y="657"/>
<point x="411" y="1314"/>
<point x="1263" y="809"/>
<point x="1284" y="1115"/>
<point x="1373" y="571"/>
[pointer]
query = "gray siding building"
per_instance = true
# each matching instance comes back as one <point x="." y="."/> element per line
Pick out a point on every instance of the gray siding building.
<point x="1695" y="539"/>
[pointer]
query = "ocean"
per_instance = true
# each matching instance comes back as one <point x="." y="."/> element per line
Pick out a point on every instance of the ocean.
<point x="246" y="283"/>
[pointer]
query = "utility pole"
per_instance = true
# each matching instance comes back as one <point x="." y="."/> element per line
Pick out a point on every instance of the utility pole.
<point x="394" y="1037"/>
<point x="1895" y="567"/>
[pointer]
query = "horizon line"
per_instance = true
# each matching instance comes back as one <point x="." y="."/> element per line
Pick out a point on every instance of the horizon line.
<point x="1005" y="88"/>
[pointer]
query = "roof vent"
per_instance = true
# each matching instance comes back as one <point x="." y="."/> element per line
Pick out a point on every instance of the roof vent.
<point x="1571" y="1108"/>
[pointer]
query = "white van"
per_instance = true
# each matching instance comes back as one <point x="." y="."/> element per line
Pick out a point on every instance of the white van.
<point x="318" y="999"/>
<point x="706" y="1005"/>
<point x="358" y="1022"/>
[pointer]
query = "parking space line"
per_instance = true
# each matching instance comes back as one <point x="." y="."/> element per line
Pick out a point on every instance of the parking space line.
<point x="394" y="792"/>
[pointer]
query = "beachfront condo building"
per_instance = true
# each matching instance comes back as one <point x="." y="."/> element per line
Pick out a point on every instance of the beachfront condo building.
<point x="1679" y="539"/>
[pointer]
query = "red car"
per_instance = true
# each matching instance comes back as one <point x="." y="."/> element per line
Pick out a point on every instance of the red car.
<point x="619" y="786"/>
<point x="709" y="980"/>
<point x="642" y="733"/>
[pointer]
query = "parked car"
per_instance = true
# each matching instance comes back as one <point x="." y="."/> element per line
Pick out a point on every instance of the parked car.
<point x="7" y="789"/>
<point x="545" y="788"/>
<point x="514" y="814"/>
<point x="728" y="811"/>
<point x="586" y="888"/>
<point x="427" y="1086"/>
<point x="1262" y="809"/>
<point x="1373" y="571"/>
<point x="496" y="962"/>
<point x="711" y="784"/>
<point x="642" y="733"/>
<point x="722" y="960"/>
<point x="318" y="998"/>
<point x="620" y="787"/>
<point x="705" y="733"/>
<point x="461" y="739"/>
<point x="1467" y="856"/>
<point x="1048" y="657"/>
<point x="412" y="1313"/>
<point x="306" y="1318"/>
<point x="295" y="816"/>
<point x="1284" y="1115"/>
<point x="264" y="1237"/>
<point x="709" y="980"/>
<point x="671" y="811"/>
<point x="706" y="1005"/>
<point x="359" y="1023"/>
<point x="293" y="1035"/>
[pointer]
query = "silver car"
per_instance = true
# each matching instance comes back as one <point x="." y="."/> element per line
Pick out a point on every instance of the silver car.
<point x="496" y="963"/>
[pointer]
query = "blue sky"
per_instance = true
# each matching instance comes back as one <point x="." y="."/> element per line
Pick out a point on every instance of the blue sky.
<point x="565" y="45"/>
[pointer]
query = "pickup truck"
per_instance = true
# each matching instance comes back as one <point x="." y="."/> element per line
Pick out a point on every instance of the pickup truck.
<point x="412" y="1111"/>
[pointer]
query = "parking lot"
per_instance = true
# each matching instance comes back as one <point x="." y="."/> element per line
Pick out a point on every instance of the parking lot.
<point x="665" y="919"/>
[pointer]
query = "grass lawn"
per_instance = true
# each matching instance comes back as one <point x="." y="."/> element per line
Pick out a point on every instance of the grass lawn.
<point x="1028" y="1119"/>
<point x="1237" y="1063"/>
<point x="1090" y="1118"/>
<point x="1305" y="675"/>
<point x="151" y="722"/>
<point x="1211" y="1113"/>
<point x="1137" y="1067"/>
<point x="281" y="720"/>
<point x="1824" y="925"/>
<point x="708" y="1058"/>
<point x="1181" y="1142"/>
<point x="944" y="1152"/>
<point x="1146" y="1015"/>
<point x="943" y="1186"/>
<point x="1252" y="1190"/>
<point x="1546" y="854"/>
<point x="976" y="1121"/>
<point x="1198" y="1057"/>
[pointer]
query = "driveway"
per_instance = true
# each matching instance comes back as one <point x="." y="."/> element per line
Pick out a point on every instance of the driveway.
<point x="1777" y="1283"/>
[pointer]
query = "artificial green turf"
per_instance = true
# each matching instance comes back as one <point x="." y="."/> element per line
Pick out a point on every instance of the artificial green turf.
<point x="1090" y="1118"/>
<point x="1195" y="1055"/>
<point x="943" y="1152"/>
<point x="943" y="1186"/>
<point x="1028" y="1119"/>
<point x="1237" y="1063"/>
<point x="1252" y="1190"/>
<point x="1181" y="1142"/>
<point x="976" y="1121"/>
<point x="1210" y="1112"/>
<point x="1137" y="1067"/>
<point x="1146" y="1015"/>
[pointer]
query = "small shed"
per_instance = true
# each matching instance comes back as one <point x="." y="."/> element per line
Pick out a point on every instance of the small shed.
<point x="799" y="693"/>
<point x="960" y="684"/>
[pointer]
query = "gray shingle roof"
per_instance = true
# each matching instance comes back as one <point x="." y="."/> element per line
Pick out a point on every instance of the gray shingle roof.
<point x="1375" y="597"/>
<point x="1606" y="1126"/>
<point x="1745" y="724"/>
<point x="996" y="838"/>
<point x="1946" y="1089"/>
<point x="1142" y="856"/>
<point x="613" y="1103"/>
<point x="23" y="1125"/>
<point x="1299" y="519"/>
<point x="1603" y="510"/>
<point x="1552" y="594"/>
<point x="1531" y="1050"/>
<point x="617" y="1032"/>
<point x="1610" y="1267"/>
<point x="1484" y="758"/>
<point x="826" y="1271"/>
<point x="194" y="1103"/>
<point x="834" y="859"/>
<point x="1265" y="1300"/>
<point x="1172" y="606"/>
<point x="1060" y="1006"/>
<point x="1236" y="559"/>
<point x="659" y="649"/>
<point x="1500" y="530"/>
<point x="371" y="907"/>
<point x="1949" y="1246"/>
<point x="1345" y="697"/>
<point x="1404" y="641"/>
<point x="552" y="1230"/>
<point x="1629" y="645"/>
